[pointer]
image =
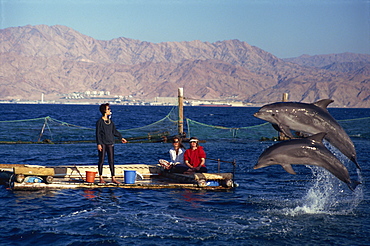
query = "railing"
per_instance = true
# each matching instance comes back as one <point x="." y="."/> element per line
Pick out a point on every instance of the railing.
<point x="219" y="164"/>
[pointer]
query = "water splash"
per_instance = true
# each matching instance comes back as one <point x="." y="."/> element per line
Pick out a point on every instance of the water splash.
<point x="327" y="195"/>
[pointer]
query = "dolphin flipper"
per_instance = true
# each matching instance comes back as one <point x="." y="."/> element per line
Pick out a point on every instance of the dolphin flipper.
<point x="276" y="127"/>
<point x="318" y="137"/>
<point x="286" y="130"/>
<point x="288" y="168"/>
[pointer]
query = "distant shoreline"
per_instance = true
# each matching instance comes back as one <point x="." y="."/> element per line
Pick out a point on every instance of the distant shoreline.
<point x="250" y="105"/>
<point x="134" y="103"/>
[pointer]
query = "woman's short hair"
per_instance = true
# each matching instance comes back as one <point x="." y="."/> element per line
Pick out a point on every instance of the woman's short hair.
<point x="103" y="108"/>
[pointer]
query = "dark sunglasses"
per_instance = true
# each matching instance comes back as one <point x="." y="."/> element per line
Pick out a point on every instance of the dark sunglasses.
<point x="175" y="141"/>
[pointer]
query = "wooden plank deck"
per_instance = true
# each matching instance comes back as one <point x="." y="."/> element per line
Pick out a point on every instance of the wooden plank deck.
<point x="70" y="184"/>
<point x="74" y="176"/>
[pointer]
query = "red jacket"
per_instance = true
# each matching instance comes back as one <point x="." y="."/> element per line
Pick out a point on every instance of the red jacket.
<point x="194" y="156"/>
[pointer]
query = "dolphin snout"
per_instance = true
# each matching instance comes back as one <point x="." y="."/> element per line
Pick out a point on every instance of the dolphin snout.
<point x="256" y="114"/>
<point x="260" y="115"/>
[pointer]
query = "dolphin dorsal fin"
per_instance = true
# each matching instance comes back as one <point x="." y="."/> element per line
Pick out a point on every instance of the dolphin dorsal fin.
<point x="323" y="103"/>
<point x="317" y="137"/>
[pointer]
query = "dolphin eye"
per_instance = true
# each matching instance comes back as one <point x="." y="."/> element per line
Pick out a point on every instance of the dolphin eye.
<point x="273" y="114"/>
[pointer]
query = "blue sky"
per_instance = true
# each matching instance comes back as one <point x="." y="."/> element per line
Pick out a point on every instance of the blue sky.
<point x="285" y="28"/>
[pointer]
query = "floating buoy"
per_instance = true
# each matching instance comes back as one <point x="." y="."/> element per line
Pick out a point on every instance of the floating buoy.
<point x="19" y="178"/>
<point x="32" y="179"/>
<point x="48" y="179"/>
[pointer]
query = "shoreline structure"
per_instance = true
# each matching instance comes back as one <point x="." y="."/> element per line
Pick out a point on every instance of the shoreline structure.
<point x="158" y="101"/>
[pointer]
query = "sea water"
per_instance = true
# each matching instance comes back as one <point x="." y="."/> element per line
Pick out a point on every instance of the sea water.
<point x="269" y="207"/>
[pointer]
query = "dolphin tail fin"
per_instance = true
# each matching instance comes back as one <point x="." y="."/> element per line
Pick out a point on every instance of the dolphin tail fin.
<point x="288" y="168"/>
<point x="323" y="103"/>
<point x="353" y="184"/>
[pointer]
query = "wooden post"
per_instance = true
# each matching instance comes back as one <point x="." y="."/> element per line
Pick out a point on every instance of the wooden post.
<point x="181" y="111"/>
<point x="285" y="97"/>
<point x="282" y="136"/>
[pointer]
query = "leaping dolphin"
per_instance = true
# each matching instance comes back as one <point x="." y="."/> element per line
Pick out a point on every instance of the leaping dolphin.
<point x="310" y="118"/>
<point x="305" y="151"/>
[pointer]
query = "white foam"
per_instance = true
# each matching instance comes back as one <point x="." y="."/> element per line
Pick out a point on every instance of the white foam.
<point x="327" y="195"/>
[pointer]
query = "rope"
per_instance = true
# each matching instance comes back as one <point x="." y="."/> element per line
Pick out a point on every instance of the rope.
<point x="365" y="118"/>
<point x="34" y="119"/>
<point x="67" y="124"/>
<point x="232" y="162"/>
<point x="226" y="128"/>
<point x="142" y="127"/>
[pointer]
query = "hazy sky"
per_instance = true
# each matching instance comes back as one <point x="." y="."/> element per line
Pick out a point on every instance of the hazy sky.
<point x="285" y="28"/>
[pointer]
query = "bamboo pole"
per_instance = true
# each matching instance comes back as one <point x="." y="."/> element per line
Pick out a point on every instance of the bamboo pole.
<point x="181" y="111"/>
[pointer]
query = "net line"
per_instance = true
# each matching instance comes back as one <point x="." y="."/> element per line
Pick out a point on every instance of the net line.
<point x="50" y="130"/>
<point x="206" y="131"/>
<point x="358" y="127"/>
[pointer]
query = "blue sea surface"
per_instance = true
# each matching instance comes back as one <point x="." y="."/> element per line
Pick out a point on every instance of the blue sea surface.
<point x="269" y="207"/>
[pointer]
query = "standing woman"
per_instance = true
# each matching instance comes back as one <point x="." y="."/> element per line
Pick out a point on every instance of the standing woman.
<point x="195" y="157"/>
<point x="105" y="133"/>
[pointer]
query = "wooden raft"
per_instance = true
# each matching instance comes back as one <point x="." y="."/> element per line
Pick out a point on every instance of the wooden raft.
<point x="67" y="184"/>
<point x="71" y="177"/>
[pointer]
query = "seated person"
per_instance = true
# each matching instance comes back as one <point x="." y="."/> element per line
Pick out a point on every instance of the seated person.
<point x="176" y="165"/>
<point x="177" y="156"/>
<point x="195" y="157"/>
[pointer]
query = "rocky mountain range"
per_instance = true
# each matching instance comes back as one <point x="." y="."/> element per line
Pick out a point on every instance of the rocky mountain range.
<point x="57" y="59"/>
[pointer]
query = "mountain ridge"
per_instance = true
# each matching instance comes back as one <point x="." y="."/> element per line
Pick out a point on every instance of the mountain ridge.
<point x="58" y="59"/>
